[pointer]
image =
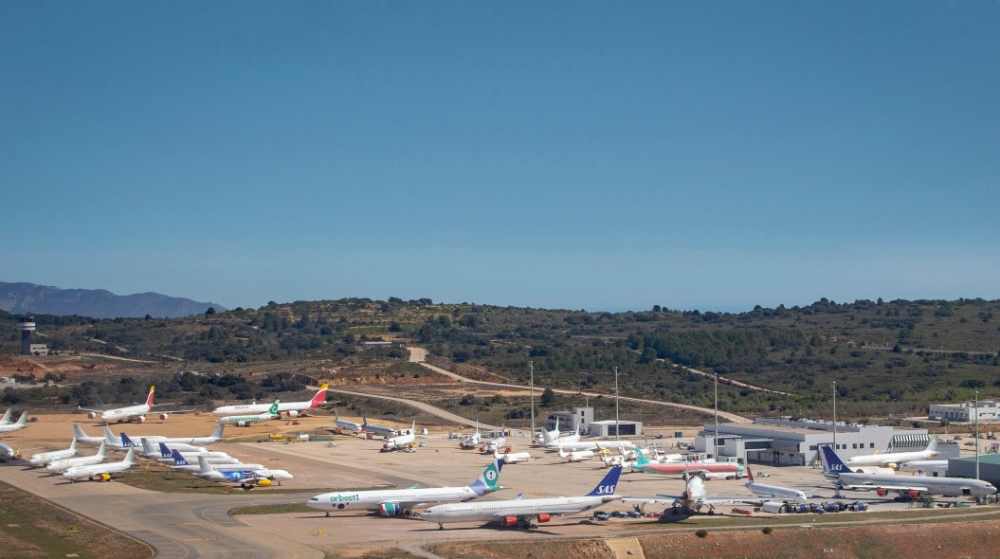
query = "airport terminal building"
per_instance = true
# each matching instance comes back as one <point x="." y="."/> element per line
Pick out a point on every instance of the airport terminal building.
<point x="796" y="442"/>
<point x="965" y="412"/>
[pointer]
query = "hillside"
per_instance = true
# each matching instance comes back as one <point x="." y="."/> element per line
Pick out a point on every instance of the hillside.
<point x="20" y="298"/>
<point x="906" y="353"/>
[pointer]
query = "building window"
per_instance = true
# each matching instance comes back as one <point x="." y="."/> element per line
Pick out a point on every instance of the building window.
<point x="854" y="446"/>
<point x="871" y="445"/>
<point x="814" y="447"/>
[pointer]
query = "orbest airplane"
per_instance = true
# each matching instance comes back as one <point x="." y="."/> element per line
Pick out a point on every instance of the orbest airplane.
<point x="135" y="413"/>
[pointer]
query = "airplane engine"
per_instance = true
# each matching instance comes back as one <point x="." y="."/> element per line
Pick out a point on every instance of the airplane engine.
<point x="510" y="521"/>
<point x="164" y="415"/>
<point x="544" y="517"/>
<point x="292" y="413"/>
<point x="913" y="495"/>
<point x="140" y="419"/>
<point x="881" y="492"/>
<point x="892" y="465"/>
<point x="389" y="509"/>
<point x="105" y="477"/>
<point x="92" y="415"/>
<point x="264" y="483"/>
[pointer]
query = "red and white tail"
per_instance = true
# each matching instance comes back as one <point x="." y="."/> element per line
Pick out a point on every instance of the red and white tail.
<point x="319" y="398"/>
<point x="749" y="474"/>
<point x="149" y="399"/>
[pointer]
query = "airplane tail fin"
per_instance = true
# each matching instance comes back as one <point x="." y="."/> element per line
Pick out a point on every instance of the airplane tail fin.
<point x="165" y="452"/>
<point x="127" y="442"/>
<point x="364" y="419"/>
<point x="488" y="479"/>
<point x="749" y="474"/>
<point x="273" y="410"/>
<point x="6" y="417"/>
<point x="129" y="457"/>
<point x="562" y="453"/>
<point x="832" y="464"/>
<point x="606" y="487"/>
<point x="23" y="420"/>
<point x="72" y="444"/>
<point x="147" y="448"/>
<point x="932" y="446"/>
<point x="149" y="399"/>
<point x="100" y="451"/>
<point x="320" y="396"/>
<point x="640" y="457"/>
<point x="109" y="436"/>
<point x="180" y="460"/>
<point x="78" y="432"/>
<point x="217" y="434"/>
<point x="205" y="466"/>
<point x="336" y="415"/>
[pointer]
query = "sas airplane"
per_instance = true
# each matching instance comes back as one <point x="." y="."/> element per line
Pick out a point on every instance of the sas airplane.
<point x="522" y="512"/>
<point x="394" y="502"/>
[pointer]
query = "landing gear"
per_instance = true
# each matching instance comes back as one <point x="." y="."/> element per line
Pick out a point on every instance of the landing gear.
<point x="440" y="526"/>
<point x="328" y="514"/>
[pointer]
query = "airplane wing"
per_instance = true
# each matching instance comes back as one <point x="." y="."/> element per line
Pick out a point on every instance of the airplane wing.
<point x="554" y="510"/>
<point x="88" y="409"/>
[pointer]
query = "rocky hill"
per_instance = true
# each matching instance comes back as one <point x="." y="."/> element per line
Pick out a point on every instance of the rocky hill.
<point x="19" y="298"/>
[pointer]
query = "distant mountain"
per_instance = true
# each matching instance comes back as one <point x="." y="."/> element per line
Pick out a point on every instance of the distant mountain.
<point x="22" y="298"/>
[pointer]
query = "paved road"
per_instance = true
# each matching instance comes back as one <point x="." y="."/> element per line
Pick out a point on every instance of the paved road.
<point x="432" y="410"/>
<point x="179" y="526"/>
<point x="419" y="355"/>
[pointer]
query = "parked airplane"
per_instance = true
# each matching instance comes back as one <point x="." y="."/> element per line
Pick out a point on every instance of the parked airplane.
<point x="594" y="444"/>
<point x="893" y="459"/>
<point x="21" y="423"/>
<point x="694" y="497"/>
<point x="289" y="409"/>
<point x="578" y="456"/>
<point x="642" y="464"/>
<point x="246" y="478"/>
<point x="774" y="492"/>
<point x="393" y="502"/>
<point x="912" y="486"/>
<point x="512" y="457"/>
<point x="495" y="443"/>
<point x="521" y="512"/>
<point x="137" y="412"/>
<point x="470" y="441"/>
<point x="60" y="466"/>
<point x="244" y="420"/>
<point x="553" y="442"/>
<point x="43" y="458"/>
<point x="100" y="471"/>
<point x="402" y="441"/>
<point x="184" y="465"/>
<point x="82" y="437"/>
<point x="216" y="436"/>
<point x="346" y="425"/>
<point x="377" y="430"/>
<point x="8" y="453"/>
<point x="165" y="453"/>
<point x="263" y="476"/>
<point x="5" y="420"/>
<point x="934" y="466"/>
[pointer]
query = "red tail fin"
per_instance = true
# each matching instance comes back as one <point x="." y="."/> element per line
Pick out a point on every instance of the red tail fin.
<point x="149" y="399"/>
<point x="749" y="474"/>
<point x="319" y="398"/>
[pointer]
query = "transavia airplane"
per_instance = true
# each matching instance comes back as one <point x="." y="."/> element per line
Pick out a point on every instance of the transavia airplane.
<point x="402" y="441"/>
<point x="21" y="423"/>
<point x="289" y="409"/>
<point x="43" y="458"/>
<point x="101" y="471"/>
<point x="912" y="486"/>
<point x="894" y="459"/>
<point x="135" y="413"/>
<point x="522" y="512"/>
<point x="346" y="425"/>
<point x="393" y="502"/>
<point x="244" y="420"/>
<point x="60" y="466"/>
<point x="643" y="464"/>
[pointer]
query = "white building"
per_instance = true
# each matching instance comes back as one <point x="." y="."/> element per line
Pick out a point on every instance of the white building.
<point x="965" y="412"/>
<point x="39" y="349"/>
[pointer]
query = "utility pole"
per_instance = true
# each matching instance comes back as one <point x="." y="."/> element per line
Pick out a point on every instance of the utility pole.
<point x="618" y="435"/>
<point x="834" y="384"/>
<point x="977" y="435"/>
<point x="531" y="368"/>
<point x="716" y="456"/>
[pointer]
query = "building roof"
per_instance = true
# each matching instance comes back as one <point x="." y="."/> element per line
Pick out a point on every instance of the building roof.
<point x="983" y="459"/>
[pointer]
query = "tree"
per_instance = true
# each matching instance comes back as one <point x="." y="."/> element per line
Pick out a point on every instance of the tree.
<point x="548" y="398"/>
<point x="210" y="311"/>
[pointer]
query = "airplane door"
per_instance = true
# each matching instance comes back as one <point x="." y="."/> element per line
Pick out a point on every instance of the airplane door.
<point x="966" y="491"/>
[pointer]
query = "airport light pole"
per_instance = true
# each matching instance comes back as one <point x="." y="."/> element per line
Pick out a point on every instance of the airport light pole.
<point x="716" y="456"/>
<point x="618" y="435"/>
<point x="834" y="385"/>
<point x="531" y="369"/>
<point x="977" y="434"/>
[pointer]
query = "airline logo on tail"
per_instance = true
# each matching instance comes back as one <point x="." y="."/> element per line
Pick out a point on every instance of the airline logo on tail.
<point x="149" y="399"/>
<point x="320" y="397"/>
<point x="833" y="464"/>
<point x="607" y="485"/>
<point x="273" y="409"/>
<point x="488" y="479"/>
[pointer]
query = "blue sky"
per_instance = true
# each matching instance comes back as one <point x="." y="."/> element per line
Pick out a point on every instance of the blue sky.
<point x="564" y="155"/>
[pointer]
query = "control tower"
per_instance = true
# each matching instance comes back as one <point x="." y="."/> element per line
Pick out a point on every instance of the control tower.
<point x="26" y="327"/>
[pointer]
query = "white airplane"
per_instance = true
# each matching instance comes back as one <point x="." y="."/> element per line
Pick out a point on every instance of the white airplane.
<point x="81" y="437"/>
<point x="60" y="466"/>
<point x="521" y="512"/>
<point x="21" y="423"/>
<point x="774" y="492"/>
<point x="240" y="472"/>
<point x="893" y="459"/>
<point x="576" y="456"/>
<point x="8" y="453"/>
<point x="129" y="413"/>
<point x="377" y="430"/>
<point x="933" y="466"/>
<point x="245" y="420"/>
<point x="100" y="471"/>
<point x="470" y="441"/>
<point x="550" y="441"/>
<point x="227" y="463"/>
<point x="912" y="486"/>
<point x="165" y="453"/>
<point x="496" y="443"/>
<point x="595" y="445"/>
<point x="289" y="409"/>
<point x="512" y="457"/>
<point x="346" y="425"/>
<point x="43" y="458"/>
<point x="6" y="417"/>
<point x="692" y="500"/>
<point x="393" y="502"/>
<point x="403" y="441"/>
<point x="215" y="437"/>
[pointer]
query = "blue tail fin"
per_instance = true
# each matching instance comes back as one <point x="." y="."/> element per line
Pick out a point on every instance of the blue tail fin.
<point x="165" y="452"/>
<point x="127" y="442"/>
<point x="832" y="464"/>
<point x="178" y="459"/>
<point x="608" y="484"/>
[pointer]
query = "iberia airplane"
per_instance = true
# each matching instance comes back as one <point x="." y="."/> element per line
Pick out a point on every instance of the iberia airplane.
<point x="136" y="413"/>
